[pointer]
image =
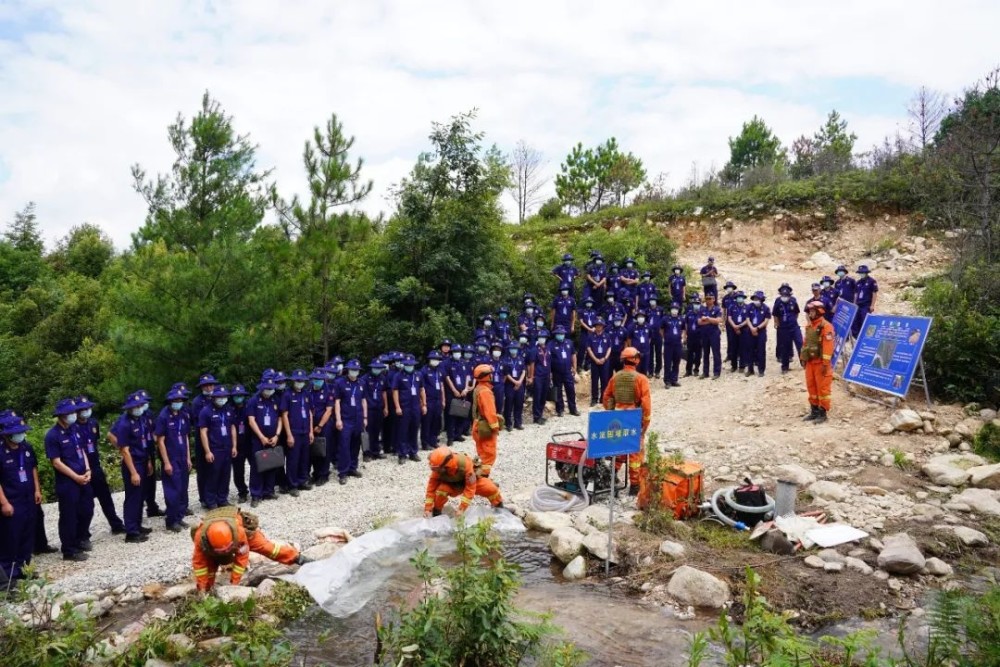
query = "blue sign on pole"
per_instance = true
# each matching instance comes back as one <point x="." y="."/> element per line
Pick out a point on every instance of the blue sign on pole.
<point x="614" y="433"/>
<point x="843" y="317"/>
<point x="887" y="352"/>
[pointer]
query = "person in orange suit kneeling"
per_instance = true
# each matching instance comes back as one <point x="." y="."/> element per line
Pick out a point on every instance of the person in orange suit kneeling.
<point x="226" y="536"/>
<point x="486" y="424"/>
<point x="453" y="474"/>
<point x="817" y="352"/>
<point x="629" y="390"/>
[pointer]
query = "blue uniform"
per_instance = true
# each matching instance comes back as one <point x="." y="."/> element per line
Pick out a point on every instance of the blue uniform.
<point x="149" y="485"/>
<point x="641" y="338"/>
<point x="708" y="280"/>
<point x="238" y="413"/>
<point x="460" y="377"/>
<point x="266" y="415"/>
<point x="786" y="314"/>
<point x="503" y="330"/>
<point x="586" y="317"/>
<point x="567" y="274"/>
<point x="732" y="335"/>
<point x="738" y="314"/>
<point x="17" y="532"/>
<point x="431" y="423"/>
<point x="759" y="316"/>
<point x="375" y="397"/>
<point x="322" y="399"/>
<point x="711" y="340"/>
<point x="409" y="386"/>
<point x="563" y="308"/>
<point x="201" y="473"/>
<point x="350" y="395"/>
<point x="673" y="347"/>
<point x="829" y="299"/>
<point x="597" y="273"/>
<point x="646" y="291"/>
<point x="175" y="429"/>
<point x="654" y="316"/>
<point x="632" y="289"/>
<point x="514" y="369"/>
<point x="130" y="433"/>
<point x="693" y="361"/>
<point x="612" y="311"/>
<point x="76" y="501"/>
<point x="599" y="345"/>
<point x="541" y="357"/>
<point x="846" y="288"/>
<point x="497" y="378"/>
<point x="678" y="286"/>
<point x="618" y="336"/>
<point x="89" y="432"/>
<point x="218" y="424"/>
<point x="563" y="353"/>
<point x="867" y="287"/>
<point x="297" y="405"/>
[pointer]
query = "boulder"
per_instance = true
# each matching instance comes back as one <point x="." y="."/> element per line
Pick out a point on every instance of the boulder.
<point x="156" y="662"/>
<point x="901" y="555"/>
<point x="831" y="556"/>
<point x="968" y="428"/>
<point x="985" y="477"/>
<point x="808" y="265"/>
<point x="153" y="590"/>
<point x="697" y="588"/>
<point x="322" y="550"/>
<point x="214" y="644"/>
<point x="906" y="420"/>
<point x="547" y="521"/>
<point x="565" y="543"/>
<point x="675" y="550"/>
<point x="857" y="565"/>
<point x="821" y="259"/>
<point x="94" y="609"/>
<point x="179" y="591"/>
<point x="885" y="428"/>
<point x="970" y="537"/>
<point x="265" y="589"/>
<point x="833" y="567"/>
<point x="595" y="515"/>
<point x="944" y="474"/>
<point x="269" y="570"/>
<point x="231" y="594"/>
<point x="582" y="525"/>
<point x="814" y="561"/>
<point x="937" y="567"/>
<point x="597" y="545"/>
<point x="790" y="472"/>
<point x="987" y="415"/>
<point x="180" y="642"/>
<point x="332" y="534"/>
<point x="828" y="490"/>
<point x="576" y="569"/>
<point x="985" y="501"/>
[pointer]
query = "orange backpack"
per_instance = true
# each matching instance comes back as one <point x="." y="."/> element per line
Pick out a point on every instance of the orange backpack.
<point x="681" y="491"/>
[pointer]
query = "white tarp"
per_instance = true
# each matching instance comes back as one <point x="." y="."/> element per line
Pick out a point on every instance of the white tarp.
<point x="344" y="583"/>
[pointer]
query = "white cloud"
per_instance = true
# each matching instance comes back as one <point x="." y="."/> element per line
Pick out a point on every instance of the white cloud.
<point x="672" y="80"/>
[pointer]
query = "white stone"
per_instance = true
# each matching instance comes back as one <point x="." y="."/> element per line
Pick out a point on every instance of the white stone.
<point x="790" y="472"/>
<point x="833" y="567"/>
<point x="937" y="567"/>
<point x="906" y="420"/>
<point x="332" y="534"/>
<point x="970" y="537"/>
<point x="233" y="593"/>
<point x="597" y="545"/>
<point x="814" y="561"/>
<point x="807" y="265"/>
<point x="857" y="565"/>
<point x="672" y="549"/>
<point x="987" y="415"/>
<point x="576" y="569"/>
<point x="547" y="521"/>
<point x="582" y="525"/>
<point x="214" y="643"/>
<point x="831" y="556"/>
<point x="697" y="588"/>
<point x="322" y="550"/>
<point x="595" y="515"/>
<point x="985" y="477"/>
<point x="828" y="490"/>
<point x="156" y="662"/>
<point x="968" y="428"/>
<point x="180" y="642"/>
<point x="821" y="259"/>
<point x="565" y="543"/>
<point x="986" y="501"/>
<point x="179" y="591"/>
<point x="900" y="555"/>
<point x="885" y="428"/>
<point x="265" y="589"/>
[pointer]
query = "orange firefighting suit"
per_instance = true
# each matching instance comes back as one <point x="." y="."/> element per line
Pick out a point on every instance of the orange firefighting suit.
<point x="459" y="477"/>
<point x="817" y="350"/>
<point x="625" y="399"/>
<point x="485" y="424"/>
<point x="248" y="539"/>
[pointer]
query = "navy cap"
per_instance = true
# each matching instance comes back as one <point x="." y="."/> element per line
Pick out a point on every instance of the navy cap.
<point x="785" y="289"/>
<point x="863" y="269"/>
<point x="239" y="390"/>
<point x="181" y="387"/>
<point x="560" y="329"/>
<point x="588" y="299"/>
<point x="319" y="373"/>
<point x="279" y="377"/>
<point x="434" y="354"/>
<point x="13" y="426"/>
<point x="267" y="383"/>
<point x="220" y="392"/>
<point x="299" y="375"/>
<point x="409" y="359"/>
<point x="527" y="295"/>
<point x="647" y="274"/>
<point x="175" y="394"/>
<point x="206" y="378"/>
<point x="543" y="333"/>
<point x="599" y="322"/>
<point x="133" y="401"/>
<point x="447" y="341"/>
<point x="840" y="268"/>
<point x="759" y="294"/>
<point x="457" y="347"/>
<point x="82" y="403"/>
<point x="513" y="345"/>
<point x="815" y="286"/>
<point x="675" y="305"/>
<point x="711" y="259"/>
<point x="353" y="365"/>
<point x="567" y="257"/>
<point x="504" y="309"/>
<point x="64" y="407"/>
<point x="496" y="345"/>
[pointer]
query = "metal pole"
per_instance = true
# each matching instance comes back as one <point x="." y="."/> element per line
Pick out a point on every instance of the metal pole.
<point x="923" y="379"/>
<point x="611" y="515"/>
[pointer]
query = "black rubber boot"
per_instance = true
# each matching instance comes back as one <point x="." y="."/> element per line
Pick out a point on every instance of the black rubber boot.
<point x="821" y="416"/>
<point x="813" y="414"/>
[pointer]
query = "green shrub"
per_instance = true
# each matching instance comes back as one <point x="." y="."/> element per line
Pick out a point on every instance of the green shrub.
<point x="987" y="442"/>
<point x="550" y="210"/>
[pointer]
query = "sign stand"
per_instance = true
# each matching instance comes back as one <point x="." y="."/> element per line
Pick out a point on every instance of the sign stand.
<point x="611" y="515"/>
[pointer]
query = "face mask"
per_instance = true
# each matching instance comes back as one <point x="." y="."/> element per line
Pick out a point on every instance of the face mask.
<point x="674" y="311"/>
<point x="317" y="384"/>
<point x="353" y="374"/>
<point x="542" y="340"/>
<point x="652" y="303"/>
<point x="298" y="385"/>
<point x="467" y="355"/>
<point x="529" y="311"/>
<point x="863" y="275"/>
<point x="826" y="285"/>
<point x="740" y="299"/>
<point x="598" y="262"/>
<point x="785" y="299"/>
<point x="456" y="356"/>
<point x="729" y="290"/>
<point x="487" y="323"/>
<point x="267" y="393"/>
<point x="841" y="273"/>
<point x="17" y="437"/>
<point x="221" y="401"/>
<point x="408" y="368"/>
<point x="434" y="363"/>
<point x="376" y="371"/>
<point x="677" y="272"/>
<point x="399" y="365"/>
<point x="560" y="337"/>
<point x="630" y="265"/>
<point x="86" y="413"/>
<point x="640" y="320"/>
<point x="496" y="354"/>
<point x="338" y="369"/>
<point x="70" y="418"/>
<point x="513" y="351"/>
<point x="618" y="323"/>
<point x="564" y="292"/>
<point x="282" y="386"/>
<point x="540" y="323"/>
<point x="481" y="349"/>
<point x="238" y="400"/>
<point x="176" y="406"/>
<point x="756" y="302"/>
<point x="645" y="279"/>
<point x="136" y="412"/>
<point x="611" y="300"/>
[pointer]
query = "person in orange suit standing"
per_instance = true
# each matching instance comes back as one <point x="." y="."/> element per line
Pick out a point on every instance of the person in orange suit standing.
<point x="485" y="421"/>
<point x="226" y="536"/>
<point x="629" y="390"/>
<point x="817" y="351"/>
<point x="452" y="474"/>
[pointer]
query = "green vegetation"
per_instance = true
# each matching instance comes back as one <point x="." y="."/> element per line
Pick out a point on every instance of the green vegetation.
<point x="467" y="616"/>
<point x="899" y="459"/>
<point x="963" y="633"/>
<point x="987" y="442"/>
<point x="597" y="177"/>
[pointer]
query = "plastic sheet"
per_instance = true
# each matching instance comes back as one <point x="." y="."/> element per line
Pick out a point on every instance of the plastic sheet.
<point x="344" y="583"/>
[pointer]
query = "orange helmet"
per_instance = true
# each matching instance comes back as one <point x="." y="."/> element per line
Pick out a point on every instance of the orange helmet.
<point x="630" y="356"/>
<point x="481" y="371"/>
<point x="440" y="457"/>
<point x="220" y="538"/>
<point x="816" y="304"/>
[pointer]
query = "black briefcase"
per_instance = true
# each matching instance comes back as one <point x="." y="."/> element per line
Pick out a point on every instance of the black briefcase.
<point x="269" y="458"/>
<point x="366" y="443"/>
<point x="317" y="449"/>
<point x="460" y="408"/>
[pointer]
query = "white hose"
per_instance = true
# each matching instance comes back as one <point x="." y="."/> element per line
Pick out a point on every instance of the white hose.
<point x="548" y="499"/>
<point x="730" y="494"/>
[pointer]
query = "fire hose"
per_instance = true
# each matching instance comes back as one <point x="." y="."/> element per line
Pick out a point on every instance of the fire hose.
<point x="549" y="499"/>
<point x="728" y="494"/>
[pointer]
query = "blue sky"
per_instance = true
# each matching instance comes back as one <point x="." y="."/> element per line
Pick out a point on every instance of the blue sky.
<point x="89" y="86"/>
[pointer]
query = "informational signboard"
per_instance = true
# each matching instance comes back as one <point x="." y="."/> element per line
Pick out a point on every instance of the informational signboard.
<point x="887" y="352"/>
<point x="843" y="317"/>
<point x="613" y="433"/>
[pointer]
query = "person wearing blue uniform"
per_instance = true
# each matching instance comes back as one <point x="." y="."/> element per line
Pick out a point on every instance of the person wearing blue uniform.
<point x="457" y="384"/>
<point x="828" y="295"/>
<point x="728" y="303"/>
<point x="321" y="390"/>
<point x="586" y="317"/>
<point x="709" y="321"/>
<point x="646" y="290"/>
<point x="540" y="375"/>
<point x="596" y="283"/>
<point x="206" y="384"/>
<point x="693" y="336"/>
<point x="432" y="377"/>
<point x="496" y="362"/>
<point x="410" y="403"/>
<point x="217" y="435"/>
<point x="640" y="336"/>
<point x="149" y="485"/>
<point x="64" y="449"/>
<point x="758" y="317"/>
<point x="654" y="313"/>
<point x="173" y="432"/>
<point x="129" y="436"/>
<point x="709" y="275"/>
<point x="351" y="414"/>
<point x="672" y="330"/>
<point x="378" y="406"/>
<point x="564" y="371"/>
<point x="614" y="279"/>
<point x="846" y="286"/>
<point x="612" y="309"/>
<point x="264" y="421"/>
<point x="736" y="318"/>
<point x="89" y="432"/>
<point x="503" y="330"/>
<point x="563" y="311"/>
<point x="599" y="354"/>
<point x="389" y="420"/>
<point x="20" y="498"/>
<point x="867" y="296"/>
<point x="618" y="334"/>
<point x="238" y="411"/>
<point x="566" y="273"/>
<point x="297" y="418"/>
<point x="515" y="370"/>
<point x="628" y="278"/>
<point x="678" y="285"/>
<point x="786" y="322"/>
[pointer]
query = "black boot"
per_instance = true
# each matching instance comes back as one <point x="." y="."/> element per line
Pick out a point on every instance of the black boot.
<point x="813" y="414"/>
<point x="820" y="416"/>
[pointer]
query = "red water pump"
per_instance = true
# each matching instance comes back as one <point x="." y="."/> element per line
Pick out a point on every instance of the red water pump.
<point x="568" y="469"/>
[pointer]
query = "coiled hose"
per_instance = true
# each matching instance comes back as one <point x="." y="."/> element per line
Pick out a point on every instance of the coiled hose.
<point x="730" y="498"/>
<point x="548" y="499"/>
